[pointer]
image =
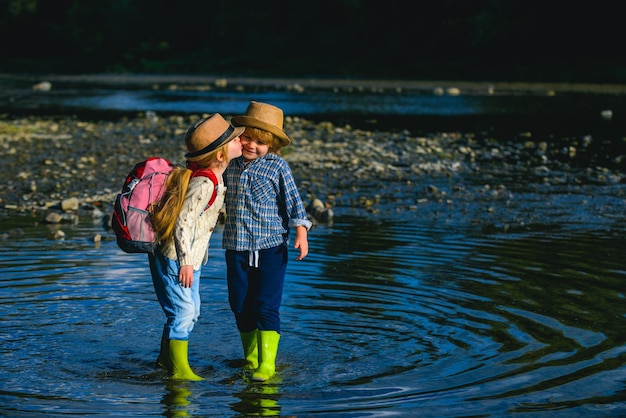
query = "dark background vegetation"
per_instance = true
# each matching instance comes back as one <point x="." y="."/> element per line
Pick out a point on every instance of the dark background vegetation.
<point x="491" y="40"/>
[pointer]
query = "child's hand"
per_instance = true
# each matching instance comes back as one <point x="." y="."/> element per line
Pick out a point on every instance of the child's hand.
<point x="185" y="275"/>
<point x="301" y="242"/>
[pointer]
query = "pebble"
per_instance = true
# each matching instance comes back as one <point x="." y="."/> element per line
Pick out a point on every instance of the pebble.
<point x="62" y="166"/>
<point x="43" y="86"/>
<point x="70" y="204"/>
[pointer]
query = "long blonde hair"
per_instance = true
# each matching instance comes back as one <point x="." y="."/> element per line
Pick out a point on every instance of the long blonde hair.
<point x="165" y="214"/>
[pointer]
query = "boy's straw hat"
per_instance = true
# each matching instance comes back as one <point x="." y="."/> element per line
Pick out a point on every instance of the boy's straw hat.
<point x="264" y="116"/>
<point x="208" y="134"/>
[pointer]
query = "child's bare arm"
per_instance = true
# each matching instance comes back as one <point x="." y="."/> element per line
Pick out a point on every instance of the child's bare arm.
<point x="301" y="242"/>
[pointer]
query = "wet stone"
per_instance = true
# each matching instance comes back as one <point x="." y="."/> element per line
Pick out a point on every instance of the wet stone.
<point x="76" y="165"/>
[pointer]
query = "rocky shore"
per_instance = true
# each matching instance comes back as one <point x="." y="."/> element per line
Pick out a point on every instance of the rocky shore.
<point x="66" y="165"/>
<point x="58" y="167"/>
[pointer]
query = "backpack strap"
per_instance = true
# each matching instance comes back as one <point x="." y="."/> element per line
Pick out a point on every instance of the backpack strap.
<point x="207" y="172"/>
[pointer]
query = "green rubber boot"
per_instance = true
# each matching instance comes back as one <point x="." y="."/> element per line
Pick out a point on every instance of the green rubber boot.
<point x="180" y="362"/>
<point x="268" y="348"/>
<point x="163" y="361"/>
<point x="250" y="349"/>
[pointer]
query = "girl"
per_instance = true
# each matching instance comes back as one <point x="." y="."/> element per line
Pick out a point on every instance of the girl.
<point x="184" y="224"/>
<point x="263" y="206"/>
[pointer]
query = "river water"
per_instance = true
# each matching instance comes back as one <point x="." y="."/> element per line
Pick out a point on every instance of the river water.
<point x="433" y="312"/>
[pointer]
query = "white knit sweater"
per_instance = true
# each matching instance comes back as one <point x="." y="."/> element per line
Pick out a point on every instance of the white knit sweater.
<point x="189" y="242"/>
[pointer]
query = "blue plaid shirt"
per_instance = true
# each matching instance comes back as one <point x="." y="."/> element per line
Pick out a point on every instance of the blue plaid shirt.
<point x="262" y="203"/>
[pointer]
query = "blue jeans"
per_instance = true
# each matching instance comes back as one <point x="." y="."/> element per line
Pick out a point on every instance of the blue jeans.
<point x="181" y="305"/>
<point x="255" y="293"/>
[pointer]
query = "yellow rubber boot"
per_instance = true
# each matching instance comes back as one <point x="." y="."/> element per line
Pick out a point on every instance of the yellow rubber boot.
<point x="180" y="361"/>
<point x="250" y="349"/>
<point x="268" y="348"/>
<point x="163" y="361"/>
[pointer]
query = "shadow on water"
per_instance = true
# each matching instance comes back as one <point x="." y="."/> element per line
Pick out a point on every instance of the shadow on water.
<point x="384" y="318"/>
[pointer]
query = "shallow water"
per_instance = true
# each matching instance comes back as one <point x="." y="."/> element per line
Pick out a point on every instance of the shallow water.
<point x="486" y="306"/>
<point x="384" y="318"/>
<point x="507" y="111"/>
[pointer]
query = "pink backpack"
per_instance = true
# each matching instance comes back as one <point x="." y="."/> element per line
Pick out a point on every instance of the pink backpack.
<point x="142" y="190"/>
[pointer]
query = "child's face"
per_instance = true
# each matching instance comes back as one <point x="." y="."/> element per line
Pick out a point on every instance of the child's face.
<point x="234" y="148"/>
<point x="253" y="148"/>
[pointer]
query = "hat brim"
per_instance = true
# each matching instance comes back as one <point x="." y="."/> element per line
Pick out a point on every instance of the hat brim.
<point x="237" y="131"/>
<point x="255" y="123"/>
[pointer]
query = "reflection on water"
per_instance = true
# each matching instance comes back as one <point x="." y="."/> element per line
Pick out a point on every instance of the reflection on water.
<point x="259" y="400"/>
<point x="407" y="317"/>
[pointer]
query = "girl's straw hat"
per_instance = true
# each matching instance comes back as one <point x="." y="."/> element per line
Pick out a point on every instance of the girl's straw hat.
<point x="208" y="134"/>
<point x="264" y="116"/>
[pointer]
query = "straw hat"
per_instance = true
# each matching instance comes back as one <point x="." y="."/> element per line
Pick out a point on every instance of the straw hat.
<point x="264" y="116"/>
<point x="208" y="134"/>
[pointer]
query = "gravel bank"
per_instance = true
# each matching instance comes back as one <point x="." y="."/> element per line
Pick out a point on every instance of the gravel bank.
<point x="47" y="161"/>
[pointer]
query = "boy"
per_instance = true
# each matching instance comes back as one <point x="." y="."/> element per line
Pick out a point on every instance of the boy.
<point x="262" y="204"/>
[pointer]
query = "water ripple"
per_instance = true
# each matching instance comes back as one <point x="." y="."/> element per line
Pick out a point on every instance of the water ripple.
<point x="382" y="318"/>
